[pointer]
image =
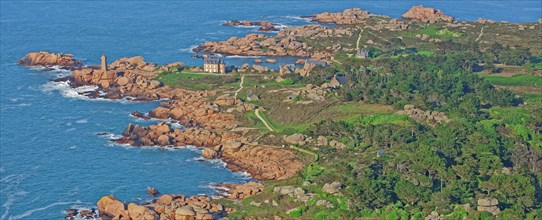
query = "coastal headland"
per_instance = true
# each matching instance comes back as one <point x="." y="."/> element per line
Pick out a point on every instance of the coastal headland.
<point x="272" y="125"/>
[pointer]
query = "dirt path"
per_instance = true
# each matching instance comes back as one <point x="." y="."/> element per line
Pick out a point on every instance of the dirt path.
<point x="316" y="157"/>
<point x="263" y="120"/>
<point x="359" y="39"/>
<point x="480" y="36"/>
<point x="240" y="85"/>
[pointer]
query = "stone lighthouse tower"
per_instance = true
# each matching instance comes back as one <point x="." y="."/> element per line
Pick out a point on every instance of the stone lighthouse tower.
<point x="104" y="63"/>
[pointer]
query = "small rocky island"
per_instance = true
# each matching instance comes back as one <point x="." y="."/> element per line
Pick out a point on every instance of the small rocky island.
<point x="264" y="26"/>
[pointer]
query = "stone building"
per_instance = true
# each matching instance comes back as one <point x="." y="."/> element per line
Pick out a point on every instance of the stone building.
<point x="214" y="65"/>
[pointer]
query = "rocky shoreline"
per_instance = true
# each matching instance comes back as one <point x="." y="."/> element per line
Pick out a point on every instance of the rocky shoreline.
<point x="207" y="126"/>
<point x="292" y="41"/>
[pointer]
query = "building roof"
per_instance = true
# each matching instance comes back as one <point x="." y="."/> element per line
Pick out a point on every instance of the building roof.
<point x="341" y="79"/>
<point x="212" y="61"/>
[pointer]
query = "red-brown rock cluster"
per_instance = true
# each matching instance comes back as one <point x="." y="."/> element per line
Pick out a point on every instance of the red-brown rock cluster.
<point x="256" y="45"/>
<point x="315" y="31"/>
<point x="162" y="134"/>
<point x="428" y="15"/>
<point x="193" y="110"/>
<point x="261" y="162"/>
<point x="47" y="59"/>
<point x="167" y="207"/>
<point x="241" y="191"/>
<point x="348" y="16"/>
<point x="127" y="77"/>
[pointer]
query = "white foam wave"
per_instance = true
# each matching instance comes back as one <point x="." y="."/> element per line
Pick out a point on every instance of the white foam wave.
<point x="30" y="212"/>
<point x="81" y="121"/>
<point x="297" y="18"/>
<point x="11" y="191"/>
<point x="189" y="49"/>
<point x="109" y="136"/>
<point x="193" y="148"/>
<point x="243" y="175"/>
<point x="67" y="91"/>
<point x="54" y="69"/>
<point x="81" y="92"/>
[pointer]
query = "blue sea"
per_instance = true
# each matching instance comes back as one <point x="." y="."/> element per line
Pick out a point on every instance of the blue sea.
<point x="55" y="149"/>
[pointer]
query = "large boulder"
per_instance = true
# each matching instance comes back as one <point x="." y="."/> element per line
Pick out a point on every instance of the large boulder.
<point x="122" y="81"/>
<point x="489" y="205"/>
<point x="164" y="140"/>
<point x="332" y="188"/>
<point x="154" y="84"/>
<point x="185" y="213"/>
<point x="260" y="68"/>
<point x="165" y="200"/>
<point x="160" y="112"/>
<point x="209" y="153"/>
<point x="295" y="139"/>
<point x="111" y="206"/>
<point x="141" y="212"/>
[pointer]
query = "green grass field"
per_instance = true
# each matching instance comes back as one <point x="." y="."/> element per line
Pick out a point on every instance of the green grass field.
<point x="438" y="32"/>
<point x="516" y="80"/>
<point x="195" y="81"/>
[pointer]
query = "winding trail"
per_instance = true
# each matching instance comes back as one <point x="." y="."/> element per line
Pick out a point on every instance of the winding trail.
<point x="316" y="156"/>
<point x="263" y="120"/>
<point x="240" y="85"/>
<point x="359" y="39"/>
<point x="480" y="36"/>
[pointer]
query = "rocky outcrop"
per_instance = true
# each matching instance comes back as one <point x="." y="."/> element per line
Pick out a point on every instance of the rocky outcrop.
<point x="332" y="188"/>
<point x="46" y="59"/>
<point x="428" y="15"/>
<point x="191" y="109"/>
<point x="173" y="207"/>
<point x="316" y="31"/>
<point x="262" y="162"/>
<point x="297" y="193"/>
<point x="241" y="191"/>
<point x="162" y="134"/>
<point x="126" y="77"/>
<point x="489" y="205"/>
<point x="484" y="21"/>
<point x="300" y="139"/>
<point x="430" y="117"/>
<point x="264" y="25"/>
<point x="256" y="45"/>
<point x="348" y="16"/>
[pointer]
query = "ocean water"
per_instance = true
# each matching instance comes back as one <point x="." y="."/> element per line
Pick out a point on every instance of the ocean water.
<point x="54" y="154"/>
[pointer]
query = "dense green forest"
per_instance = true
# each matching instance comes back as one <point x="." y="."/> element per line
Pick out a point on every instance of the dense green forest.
<point x="396" y="168"/>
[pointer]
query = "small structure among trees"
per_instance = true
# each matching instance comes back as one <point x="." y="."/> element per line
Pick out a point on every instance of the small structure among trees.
<point x="362" y="54"/>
